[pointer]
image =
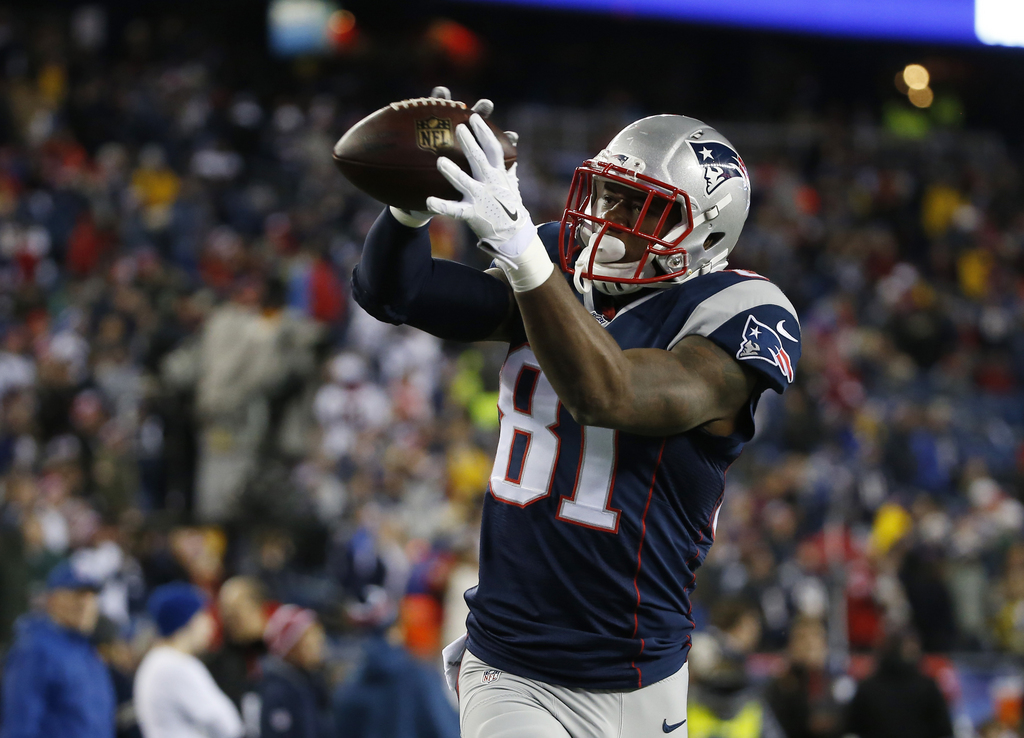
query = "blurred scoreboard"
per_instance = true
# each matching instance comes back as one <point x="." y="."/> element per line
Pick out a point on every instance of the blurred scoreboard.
<point x="989" y="22"/>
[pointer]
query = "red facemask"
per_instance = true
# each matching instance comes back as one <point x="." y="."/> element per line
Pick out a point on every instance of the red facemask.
<point x="661" y="198"/>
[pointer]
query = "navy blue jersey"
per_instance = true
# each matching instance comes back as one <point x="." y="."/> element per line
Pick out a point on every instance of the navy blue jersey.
<point x="592" y="537"/>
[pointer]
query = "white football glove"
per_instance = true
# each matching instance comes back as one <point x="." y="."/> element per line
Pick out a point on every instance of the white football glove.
<point x="493" y="207"/>
<point x="419" y="218"/>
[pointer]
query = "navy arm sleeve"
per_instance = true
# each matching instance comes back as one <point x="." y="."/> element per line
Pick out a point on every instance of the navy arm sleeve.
<point x="398" y="282"/>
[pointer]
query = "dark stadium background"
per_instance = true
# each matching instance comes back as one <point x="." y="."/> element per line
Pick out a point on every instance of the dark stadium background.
<point x="848" y="217"/>
<point x="559" y="57"/>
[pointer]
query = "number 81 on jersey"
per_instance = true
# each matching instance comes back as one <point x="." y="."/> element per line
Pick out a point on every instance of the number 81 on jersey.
<point x="530" y="446"/>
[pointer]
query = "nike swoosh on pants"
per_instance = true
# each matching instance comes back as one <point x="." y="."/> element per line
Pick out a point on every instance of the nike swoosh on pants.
<point x="669" y="728"/>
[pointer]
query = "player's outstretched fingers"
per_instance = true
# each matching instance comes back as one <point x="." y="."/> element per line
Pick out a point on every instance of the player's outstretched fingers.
<point x="483" y="107"/>
<point x="478" y="162"/>
<point x="459" y="179"/>
<point x="442" y="92"/>
<point x="458" y="210"/>
<point x="488" y="141"/>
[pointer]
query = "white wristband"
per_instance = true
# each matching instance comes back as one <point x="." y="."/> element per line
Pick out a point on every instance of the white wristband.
<point x="410" y="219"/>
<point x="530" y="269"/>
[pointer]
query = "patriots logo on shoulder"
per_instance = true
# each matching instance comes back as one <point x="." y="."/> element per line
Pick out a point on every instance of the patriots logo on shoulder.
<point x="720" y="163"/>
<point x="761" y="343"/>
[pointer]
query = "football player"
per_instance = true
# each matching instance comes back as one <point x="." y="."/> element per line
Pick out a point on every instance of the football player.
<point x="635" y="364"/>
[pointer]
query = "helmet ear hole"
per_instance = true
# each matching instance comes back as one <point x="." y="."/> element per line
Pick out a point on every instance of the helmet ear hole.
<point x="712" y="240"/>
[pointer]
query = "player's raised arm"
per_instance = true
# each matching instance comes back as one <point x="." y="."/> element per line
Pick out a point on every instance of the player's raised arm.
<point x="645" y="391"/>
<point x="397" y="281"/>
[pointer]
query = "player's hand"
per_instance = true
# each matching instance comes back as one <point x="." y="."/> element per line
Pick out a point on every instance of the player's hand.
<point x="491" y="203"/>
<point x="492" y="206"/>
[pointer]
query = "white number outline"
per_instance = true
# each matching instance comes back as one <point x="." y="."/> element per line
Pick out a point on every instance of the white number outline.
<point x="571" y="503"/>
<point x="572" y="508"/>
<point x="529" y="435"/>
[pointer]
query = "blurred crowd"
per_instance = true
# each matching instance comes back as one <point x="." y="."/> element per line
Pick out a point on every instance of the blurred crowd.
<point x="188" y="395"/>
<point x="889" y="476"/>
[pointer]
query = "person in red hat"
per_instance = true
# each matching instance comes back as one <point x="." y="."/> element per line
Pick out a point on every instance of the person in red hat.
<point x="294" y="697"/>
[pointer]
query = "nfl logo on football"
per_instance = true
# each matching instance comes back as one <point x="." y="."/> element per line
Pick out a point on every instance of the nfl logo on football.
<point x="434" y="133"/>
<point x="491" y="675"/>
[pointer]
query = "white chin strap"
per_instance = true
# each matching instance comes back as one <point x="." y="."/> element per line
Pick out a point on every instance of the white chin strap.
<point x="606" y="264"/>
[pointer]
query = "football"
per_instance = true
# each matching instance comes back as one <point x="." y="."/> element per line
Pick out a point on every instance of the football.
<point x="392" y="154"/>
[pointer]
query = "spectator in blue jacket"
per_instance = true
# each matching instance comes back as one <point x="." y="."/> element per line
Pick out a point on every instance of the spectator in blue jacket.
<point x="393" y="695"/>
<point x="294" y="698"/>
<point x="55" y="685"/>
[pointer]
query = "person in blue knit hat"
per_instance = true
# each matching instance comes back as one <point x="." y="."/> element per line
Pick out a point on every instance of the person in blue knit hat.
<point x="175" y="696"/>
<point x="55" y="685"/>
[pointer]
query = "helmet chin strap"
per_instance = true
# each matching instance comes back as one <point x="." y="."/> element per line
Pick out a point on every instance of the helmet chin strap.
<point x="606" y="264"/>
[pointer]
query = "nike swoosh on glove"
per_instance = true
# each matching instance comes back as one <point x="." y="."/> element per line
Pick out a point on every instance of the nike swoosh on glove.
<point x="493" y="207"/>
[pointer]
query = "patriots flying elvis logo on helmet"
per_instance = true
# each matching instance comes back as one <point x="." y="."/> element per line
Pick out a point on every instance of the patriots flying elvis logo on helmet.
<point x="720" y="163"/>
<point x="626" y="161"/>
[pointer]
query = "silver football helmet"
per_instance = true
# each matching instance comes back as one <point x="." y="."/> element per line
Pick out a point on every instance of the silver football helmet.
<point x="676" y="161"/>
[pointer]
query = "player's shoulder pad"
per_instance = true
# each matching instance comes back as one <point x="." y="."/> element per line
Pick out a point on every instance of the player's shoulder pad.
<point x="752" y="319"/>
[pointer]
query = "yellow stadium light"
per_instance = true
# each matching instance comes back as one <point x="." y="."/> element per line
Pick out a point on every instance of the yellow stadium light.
<point x="900" y="84"/>
<point x="921" y="98"/>
<point x="916" y="77"/>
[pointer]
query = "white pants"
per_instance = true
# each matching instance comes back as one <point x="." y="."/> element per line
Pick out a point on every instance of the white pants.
<point x="496" y="704"/>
